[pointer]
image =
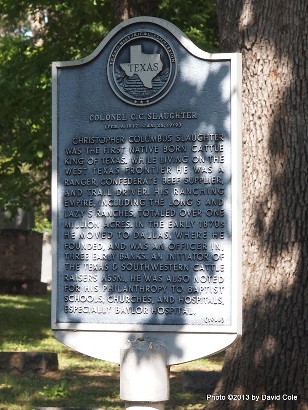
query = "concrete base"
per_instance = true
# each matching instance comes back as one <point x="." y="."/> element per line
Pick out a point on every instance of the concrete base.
<point x="144" y="406"/>
<point x="144" y="376"/>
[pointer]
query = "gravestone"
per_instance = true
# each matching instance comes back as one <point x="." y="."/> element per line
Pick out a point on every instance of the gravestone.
<point x="23" y="220"/>
<point x="146" y="195"/>
<point x="20" y="262"/>
<point x="28" y="362"/>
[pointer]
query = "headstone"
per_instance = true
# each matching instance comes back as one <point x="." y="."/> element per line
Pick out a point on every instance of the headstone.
<point x="46" y="267"/>
<point x="28" y="362"/>
<point x="20" y="262"/>
<point x="146" y="195"/>
<point x="22" y="220"/>
<point x="199" y="381"/>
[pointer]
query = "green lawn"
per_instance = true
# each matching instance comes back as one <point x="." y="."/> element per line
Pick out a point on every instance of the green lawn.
<point x="81" y="381"/>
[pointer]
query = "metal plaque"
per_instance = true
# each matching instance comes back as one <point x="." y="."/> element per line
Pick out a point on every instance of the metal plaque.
<point x="147" y="186"/>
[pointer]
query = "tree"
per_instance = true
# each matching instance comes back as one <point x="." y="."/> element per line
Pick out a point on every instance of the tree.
<point x="196" y="18"/>
<point x="32" y="35"/>
<point x="125" y="9"/>
<point x="271" y="356"/>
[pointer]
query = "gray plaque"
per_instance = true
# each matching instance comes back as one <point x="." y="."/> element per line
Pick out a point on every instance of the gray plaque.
<point x="146" y="186"/>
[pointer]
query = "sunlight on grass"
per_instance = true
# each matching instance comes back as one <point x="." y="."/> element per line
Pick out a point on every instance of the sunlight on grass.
<point x="81" y="380"/>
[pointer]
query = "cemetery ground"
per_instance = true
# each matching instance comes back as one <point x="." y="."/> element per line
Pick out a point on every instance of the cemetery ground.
<point x="80" y="382"/>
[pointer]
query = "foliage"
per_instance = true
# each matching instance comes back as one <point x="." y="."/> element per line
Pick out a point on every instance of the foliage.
<point x="56" y="390"/>
<point x="32" y="35"/>
<point x="197" y="19"/>
<point x="23" y="129"/>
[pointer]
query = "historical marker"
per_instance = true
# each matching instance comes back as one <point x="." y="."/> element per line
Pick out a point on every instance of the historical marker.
<point x="146" y="193"/>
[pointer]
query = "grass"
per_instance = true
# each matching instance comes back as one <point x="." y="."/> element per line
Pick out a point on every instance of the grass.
<point x="81" y="381"/>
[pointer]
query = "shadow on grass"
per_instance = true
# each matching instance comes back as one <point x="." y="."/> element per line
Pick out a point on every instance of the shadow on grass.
<point x="77" y="390"/>
<point x="59" y="390"/>
<point x="81" y="381"/>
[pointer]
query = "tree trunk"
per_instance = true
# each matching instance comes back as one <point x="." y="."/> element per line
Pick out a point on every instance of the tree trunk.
<point x="271" y="356"/>
<point x="126" y="9"/>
